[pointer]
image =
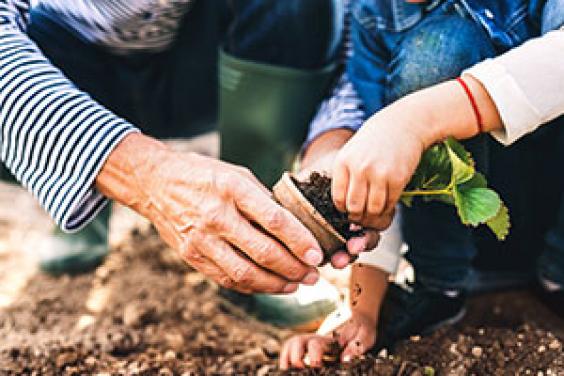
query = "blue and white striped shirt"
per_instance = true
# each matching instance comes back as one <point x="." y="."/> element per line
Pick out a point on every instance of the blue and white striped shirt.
<point x="55" y="138"/>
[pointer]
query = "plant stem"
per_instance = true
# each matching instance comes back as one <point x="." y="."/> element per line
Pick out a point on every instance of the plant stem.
<point x="425" y="193"/>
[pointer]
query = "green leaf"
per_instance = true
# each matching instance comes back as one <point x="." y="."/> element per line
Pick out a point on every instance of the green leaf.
<point x="434" y="170"/>
<point x="476" y="205"/>
<point x="477" y="181"/>
<point x="500" y="224"/>
<point x="407" y="200"/>
<point x="461" y="171"/>
<point x="460" y="151"/>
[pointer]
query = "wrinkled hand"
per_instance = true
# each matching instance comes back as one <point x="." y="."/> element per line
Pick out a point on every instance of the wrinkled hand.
<point x="355" y="337"/>
<point x="218" y="216"/>
<point x="373" y="168"/>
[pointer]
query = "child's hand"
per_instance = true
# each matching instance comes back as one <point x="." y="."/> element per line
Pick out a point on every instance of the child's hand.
<point x="373" y="168"/>
<point x="355" y="337"/>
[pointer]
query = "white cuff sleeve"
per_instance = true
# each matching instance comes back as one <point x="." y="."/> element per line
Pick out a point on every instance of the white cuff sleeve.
<point x="525" y="85"/>
<point x="518" y="115"/>
<point x="387" y="255"/>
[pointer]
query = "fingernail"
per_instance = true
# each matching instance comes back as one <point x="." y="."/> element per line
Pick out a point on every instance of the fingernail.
<point x="311" y="278"/>
<point x="314" y="257"/>
<point x="355" y="227"/>
<point x="290" y="287"/>
<point x="346" y="358"/>
<point x="357" y="245"/>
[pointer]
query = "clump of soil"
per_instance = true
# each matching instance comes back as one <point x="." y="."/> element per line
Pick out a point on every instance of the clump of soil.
<point x="317" y="190"/>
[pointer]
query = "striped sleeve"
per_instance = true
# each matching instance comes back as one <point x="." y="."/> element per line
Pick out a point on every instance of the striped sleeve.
<point x="343" y="107"/>
<point x="53" y="137"/>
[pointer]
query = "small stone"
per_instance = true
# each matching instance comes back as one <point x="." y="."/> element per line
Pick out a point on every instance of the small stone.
<point x="66" y="359"/>
<point x="554" y="344"/>
<point x="194" y="279"/>
<point x="541" y="349"/>
<point x="174" y="340"/>
<point x="383" y="353"/>
<point x="477" y="351"/>
<point x="271" y="347"/>
<point x="169" y="355"/>
<point x="136" y="314"/>
<point x="90" y="361"/>
<point x="263" y="371"/>
<point x="208" y="308"/>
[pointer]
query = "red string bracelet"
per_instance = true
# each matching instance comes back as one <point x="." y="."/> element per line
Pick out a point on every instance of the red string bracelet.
<point x="473" y="102"/>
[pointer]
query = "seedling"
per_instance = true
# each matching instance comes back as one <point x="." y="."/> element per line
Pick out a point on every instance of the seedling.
<point x="446" y="173"/>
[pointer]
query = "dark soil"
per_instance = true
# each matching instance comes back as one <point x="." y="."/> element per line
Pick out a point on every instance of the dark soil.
<point x="145" y="313"/>
<point x="317" y="190"/>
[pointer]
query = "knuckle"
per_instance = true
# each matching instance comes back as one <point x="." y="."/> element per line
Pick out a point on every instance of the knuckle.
<point x="215" y="218"/>
<point x="277" y="220"/>
<point x="226" y="183"/>
<point x="355" y="206"/>
<point x="362" y="169"/>
<point x="226" y="282"/>
<point x="295" y="272"/>
<point x="264" y="254"/>
<point x="242" y="274"/>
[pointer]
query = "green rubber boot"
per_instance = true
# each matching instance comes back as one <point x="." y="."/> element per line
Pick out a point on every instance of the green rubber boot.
<point x="264" y="116"/>
<point x="76" y="253"/>
<point x="80" y="252"/>
<point x="264" y="113"/>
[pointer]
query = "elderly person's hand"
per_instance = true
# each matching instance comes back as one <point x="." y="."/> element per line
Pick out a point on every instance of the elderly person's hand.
<point x="218" y="216"/>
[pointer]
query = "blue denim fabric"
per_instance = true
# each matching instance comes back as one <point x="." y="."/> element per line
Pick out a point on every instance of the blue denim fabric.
<point x="400" y="48"/>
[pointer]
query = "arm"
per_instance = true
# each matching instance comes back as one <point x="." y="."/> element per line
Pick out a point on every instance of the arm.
<point x="73" y="154"/>
<point x="354" y="330"/>
<point x="53" y="137"/>
<point x="515" y="93"/>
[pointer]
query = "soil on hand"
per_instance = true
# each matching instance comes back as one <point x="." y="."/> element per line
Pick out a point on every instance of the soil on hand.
<point x="317" y="190"/>
<point x="145" y="313"/>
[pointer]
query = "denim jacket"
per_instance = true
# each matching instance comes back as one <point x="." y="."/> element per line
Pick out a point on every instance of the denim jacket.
<point x="507" y="22"/>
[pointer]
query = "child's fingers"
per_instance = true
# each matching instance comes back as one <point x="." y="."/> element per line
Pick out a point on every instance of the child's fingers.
<point x="346" y="333"/>
<point x="368" y="241"/>
<point x="297" y="352"/>
<point x="340" y="260"/>
<point x="339" y="186"/>
<point x="377" y="199"/>
<point x="357" y="193"/>
<point x="358" y="345"/>
<point x="284" y="359"/>
<point x="316" y="347"/>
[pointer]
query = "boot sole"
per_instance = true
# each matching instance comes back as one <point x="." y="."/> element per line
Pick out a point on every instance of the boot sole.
<point x="448" y="322"/>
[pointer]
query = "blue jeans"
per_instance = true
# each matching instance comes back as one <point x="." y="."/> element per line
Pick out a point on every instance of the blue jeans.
<point x="174" y="93"/>
<point x="390" y="64"/>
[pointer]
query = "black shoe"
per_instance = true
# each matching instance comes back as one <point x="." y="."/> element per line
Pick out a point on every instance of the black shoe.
<point x="417" y="311"/>
<point x="553" y="300"/>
